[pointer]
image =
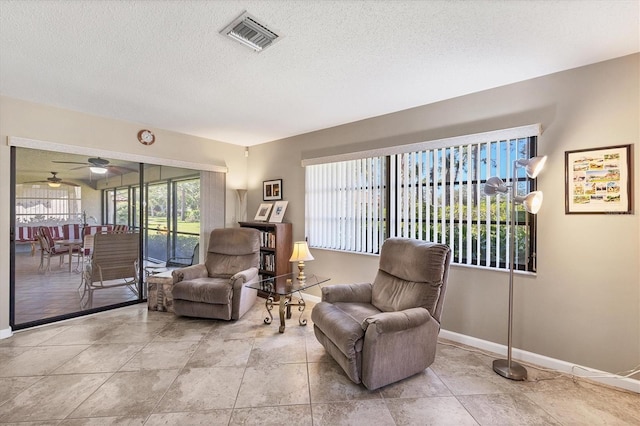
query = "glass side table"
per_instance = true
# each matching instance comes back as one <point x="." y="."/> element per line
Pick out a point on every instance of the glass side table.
<point x="284" y="287"/>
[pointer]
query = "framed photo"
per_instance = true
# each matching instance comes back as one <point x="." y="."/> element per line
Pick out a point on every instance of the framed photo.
<point x="278" y="211"/>
<point x="599" y="180"/>
<point x="263" y="212"/>
<point x="272" y="190"/>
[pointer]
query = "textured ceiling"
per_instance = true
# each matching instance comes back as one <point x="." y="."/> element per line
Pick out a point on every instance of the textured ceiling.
<point x="163" y="64"/>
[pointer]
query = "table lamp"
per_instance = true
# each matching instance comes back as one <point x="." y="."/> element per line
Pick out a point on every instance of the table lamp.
<point x="300" y="254"/>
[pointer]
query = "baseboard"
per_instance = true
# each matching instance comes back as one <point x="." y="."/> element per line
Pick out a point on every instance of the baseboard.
<point x="546" y="362"/>
<point x="5" y="333"/>
<point x="311" y="298"/>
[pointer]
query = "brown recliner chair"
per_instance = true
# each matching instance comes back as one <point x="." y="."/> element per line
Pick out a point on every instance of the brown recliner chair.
<point x="385" y="331"/>
<point x="218" y="288"/>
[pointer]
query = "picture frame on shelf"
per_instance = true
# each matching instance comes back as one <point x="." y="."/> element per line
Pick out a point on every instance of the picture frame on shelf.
<point x="263" y="212"/>
<point x="272" y="190"/>
<point x="278" y="211"/>
<point x="599" y="180"/>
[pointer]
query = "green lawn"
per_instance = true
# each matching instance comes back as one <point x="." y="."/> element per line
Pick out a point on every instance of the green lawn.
<point x="161" y="223"/>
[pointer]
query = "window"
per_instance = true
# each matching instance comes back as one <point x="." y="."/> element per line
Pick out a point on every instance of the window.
<point x="172" y="216"/>
<point x="43" y="204"/>
<point x="431" y="194"/>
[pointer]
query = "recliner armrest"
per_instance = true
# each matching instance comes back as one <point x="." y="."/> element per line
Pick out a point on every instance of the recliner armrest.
<point x="354" y="293"/>
<point x="189" y="273"/>
<point x="246" y="275"/>
<point x="387" y="322"/>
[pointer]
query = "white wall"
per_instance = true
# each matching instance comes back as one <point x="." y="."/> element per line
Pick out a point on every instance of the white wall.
<point x="583" y="306"/>
<point x="44" y="123"/>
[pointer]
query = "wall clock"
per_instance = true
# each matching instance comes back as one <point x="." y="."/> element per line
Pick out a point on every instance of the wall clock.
<point x="146" y="137"/>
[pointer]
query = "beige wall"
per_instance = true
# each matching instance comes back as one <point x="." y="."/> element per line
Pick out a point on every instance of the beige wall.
<point x="44" y="123"/>
<point x="583" y="306"/>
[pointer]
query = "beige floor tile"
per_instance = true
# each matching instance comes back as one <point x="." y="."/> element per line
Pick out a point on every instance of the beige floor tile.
<point x="104" y="421"/>
<point x="162" y="356"/>
<point x="197" y="418"/>
<point x="214" y="372"/>
<point x="197" y="389"/>
<point x="469" y="374"/>
<point x="221" y="353"/>
<point x="241" y="329"/>
<point x="420" y="385"/>
<point x="40" y="360"/>
<point x="100" y="358"/>
<point x="79" y="335"/>
<point x="590" y="404"/>
<point x="127" y="394"/>
<point x="53" y="397"/>
<point x="506" y="409"/>
<point x="134" y="332"/>
<point x="315" y="351"/>
<point x="328" y="383"/>
<point x="33" y="337"/>
<point x="368" y="412"/>
<point x="299" y="415"/>
<point x="430" y="411"/>
<point x="280" y="384"/>
<point x="282" y="349"/>
<point x="185" y="329"/>
<point x="13" y="386"/>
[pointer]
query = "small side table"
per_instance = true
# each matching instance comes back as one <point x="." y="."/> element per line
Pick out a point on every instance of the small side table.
<point x="159" y="296"/>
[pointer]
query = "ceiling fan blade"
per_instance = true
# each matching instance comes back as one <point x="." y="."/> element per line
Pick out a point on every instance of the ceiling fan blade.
<point x="68" y="183"/>
<point x="36" y="181"/>
<point x="120" y="170"/>
<point x="69" y="162"/>
<point x="81" y="167"/>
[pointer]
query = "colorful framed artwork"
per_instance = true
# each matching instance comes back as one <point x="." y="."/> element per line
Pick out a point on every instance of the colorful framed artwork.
<point x="599" y="180"/>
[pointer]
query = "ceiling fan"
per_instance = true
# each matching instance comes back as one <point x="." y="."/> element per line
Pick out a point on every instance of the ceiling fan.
<point x="99" y="166"/>
<point x="54" y="181"/>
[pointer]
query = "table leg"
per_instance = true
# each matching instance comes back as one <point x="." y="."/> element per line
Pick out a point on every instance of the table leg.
<point x="283" y="308"/>
<point x="301" y="307"/>
<point x="269" y="305"/>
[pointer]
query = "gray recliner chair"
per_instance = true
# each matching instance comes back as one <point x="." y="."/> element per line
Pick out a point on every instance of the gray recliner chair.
<point x="218" y="288"/>
<point x="385" y="331"/>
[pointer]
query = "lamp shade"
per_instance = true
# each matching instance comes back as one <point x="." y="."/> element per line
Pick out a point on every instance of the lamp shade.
<point x="494" y="185"/>
<point x="531" y="202"/>
<point x="533" y="166"/>
<point x="98" y="170"/>
<point x="300" y="252"/>
<point x="54" y="184"/>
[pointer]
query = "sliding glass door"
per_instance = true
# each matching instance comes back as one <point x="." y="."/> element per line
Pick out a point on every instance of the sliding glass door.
<point x="69" y="197"/>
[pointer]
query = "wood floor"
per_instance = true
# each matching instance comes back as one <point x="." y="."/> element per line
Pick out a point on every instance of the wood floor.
<point x="41" y="295"/>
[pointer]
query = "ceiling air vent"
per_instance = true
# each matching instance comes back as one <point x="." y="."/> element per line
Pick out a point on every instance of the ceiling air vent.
<point x="248" y="31"/>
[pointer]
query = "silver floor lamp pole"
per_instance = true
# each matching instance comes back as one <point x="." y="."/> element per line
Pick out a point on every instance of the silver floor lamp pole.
<point x="531" y="202"/>
<point x="507" y="367"/>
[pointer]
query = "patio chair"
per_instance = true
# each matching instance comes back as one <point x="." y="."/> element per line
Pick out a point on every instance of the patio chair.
<point x="113" y="264"/>
<point x="48" y="249"/>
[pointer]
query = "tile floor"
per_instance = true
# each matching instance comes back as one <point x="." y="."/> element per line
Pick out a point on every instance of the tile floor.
<point x="134" y="367"/>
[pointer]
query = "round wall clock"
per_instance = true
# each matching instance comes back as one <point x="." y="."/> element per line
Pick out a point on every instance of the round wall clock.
<point x="146" y="137"/>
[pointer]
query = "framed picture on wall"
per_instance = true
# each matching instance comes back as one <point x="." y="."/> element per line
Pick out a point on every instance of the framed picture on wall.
<point x="599" y="180"/>
<point x="272" y="190"/>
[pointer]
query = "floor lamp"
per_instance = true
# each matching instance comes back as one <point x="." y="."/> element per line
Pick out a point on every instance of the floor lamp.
<point x="531" y="203"/>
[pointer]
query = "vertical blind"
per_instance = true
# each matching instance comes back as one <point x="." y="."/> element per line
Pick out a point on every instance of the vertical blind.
<point x="344" y="205"/>
<point x="427" y="194"/>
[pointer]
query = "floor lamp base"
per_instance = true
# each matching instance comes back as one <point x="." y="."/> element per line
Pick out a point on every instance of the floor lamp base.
<point x="514" y="371"/>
